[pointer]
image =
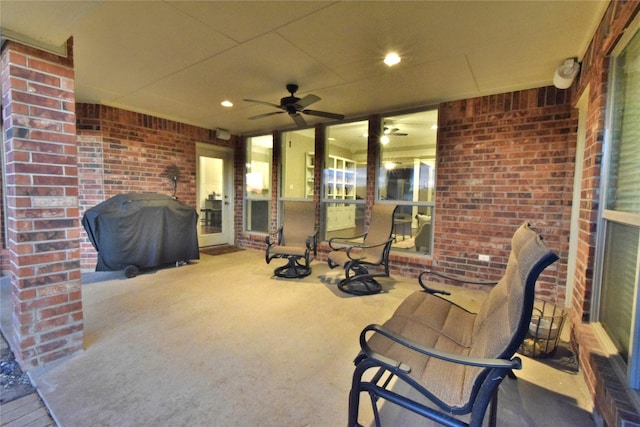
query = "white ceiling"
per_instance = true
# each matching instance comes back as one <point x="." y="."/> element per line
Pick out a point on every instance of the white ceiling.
<point x="180" y="59"/>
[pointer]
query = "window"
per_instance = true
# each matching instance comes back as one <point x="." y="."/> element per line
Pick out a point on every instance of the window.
<point x="344" y="180"/>
<point x="258" y="183"/>
<point x="295" y="155"/>
<point x="407" y="177"/>
<point x="618" y="256"/>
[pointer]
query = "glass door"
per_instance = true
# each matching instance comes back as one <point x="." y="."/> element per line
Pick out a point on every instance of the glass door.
<point x="214" y="192"/>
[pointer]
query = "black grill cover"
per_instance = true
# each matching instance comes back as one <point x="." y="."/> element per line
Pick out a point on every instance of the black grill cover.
<point x="145" y="230"/>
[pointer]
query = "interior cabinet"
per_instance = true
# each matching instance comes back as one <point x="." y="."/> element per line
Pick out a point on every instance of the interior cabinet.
<point x="308" y="174"/>
<point x="340" y="179"/>
<point x="340" y="216"/>
<point x="340" y="184"/>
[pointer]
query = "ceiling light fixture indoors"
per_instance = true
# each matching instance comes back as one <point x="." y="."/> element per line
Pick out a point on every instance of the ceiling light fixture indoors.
<point x="392" y="59"/>
<point x="566" y="73"/>
<point x="226" y="103"/>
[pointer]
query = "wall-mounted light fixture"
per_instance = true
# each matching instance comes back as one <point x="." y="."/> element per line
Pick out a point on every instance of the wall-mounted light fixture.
<point x="223" y="134"/>
<point x="566" y="73"/>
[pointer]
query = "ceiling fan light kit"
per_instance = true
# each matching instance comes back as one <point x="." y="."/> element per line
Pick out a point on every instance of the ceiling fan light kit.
<point x="295" y="107"/>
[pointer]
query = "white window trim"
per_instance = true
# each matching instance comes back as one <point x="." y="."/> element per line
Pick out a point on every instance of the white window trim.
<point x="631" y="370"/>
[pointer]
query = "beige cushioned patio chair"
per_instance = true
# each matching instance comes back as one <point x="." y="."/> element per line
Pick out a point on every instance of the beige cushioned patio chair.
<point x="296" y="241"/>
<point x="439" y="352"/>
<point x="357" y="258"/>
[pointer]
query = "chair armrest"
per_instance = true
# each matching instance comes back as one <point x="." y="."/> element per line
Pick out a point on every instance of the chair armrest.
<point x="428" y="288"/>
<point x="346" y="239"/>
<point x="363" y="247"/>
<point x="272" y="239"/>
<point x="459" y="279"/>
<point x="312" y="241"/>
<point x="515" y="363"/>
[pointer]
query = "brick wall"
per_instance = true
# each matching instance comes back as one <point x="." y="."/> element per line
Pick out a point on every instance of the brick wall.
<point x="4" y="253"/>
<point x="503" y="160"/>
<point x="612" y="397"/>
<point x="126" y="152"/>
<point x="42" y="204"/>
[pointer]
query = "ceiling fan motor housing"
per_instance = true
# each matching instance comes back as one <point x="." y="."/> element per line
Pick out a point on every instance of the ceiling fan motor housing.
<point x="294" y="106"/>
<point x="289" y="102"/>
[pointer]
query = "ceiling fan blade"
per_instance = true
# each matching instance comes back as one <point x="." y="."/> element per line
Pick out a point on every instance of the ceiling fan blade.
<point x="307" y="100"/>
<point x="393" y="131"/>
<point x="262" y="102"/>
<point x="297" y="117"/>
<point x="259" y="116"/>
<point x="324" y="114"/>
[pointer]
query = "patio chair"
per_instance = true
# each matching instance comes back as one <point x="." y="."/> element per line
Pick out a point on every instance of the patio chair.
<point x="357" y="258"/>
<point x="296" y="241"/>
<point x="422" y="240"/>
<point x="448" y="362"/>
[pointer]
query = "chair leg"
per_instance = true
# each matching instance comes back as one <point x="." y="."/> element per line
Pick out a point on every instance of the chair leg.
<point x="293" y="269"/>
<point x="354" y="396"/>
<point x="493" y="410"/>
<point x="358" y="281"/>
<point x="360" y="286"/>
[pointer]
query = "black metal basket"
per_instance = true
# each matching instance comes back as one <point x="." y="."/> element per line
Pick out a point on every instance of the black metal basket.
<point x="545" y="329"/>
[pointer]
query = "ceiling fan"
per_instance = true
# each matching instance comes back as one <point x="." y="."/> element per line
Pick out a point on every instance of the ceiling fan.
<point x="295" y="107"/>
<point x="393" y="131"/>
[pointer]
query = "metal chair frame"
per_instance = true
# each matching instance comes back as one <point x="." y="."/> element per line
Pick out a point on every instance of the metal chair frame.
<point x="509" y="308"/>
<point x="293" y="243"/>
<point x="357" y="259"/>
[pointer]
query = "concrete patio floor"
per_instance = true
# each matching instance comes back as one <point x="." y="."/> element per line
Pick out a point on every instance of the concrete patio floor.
<point x="220" y="342"/>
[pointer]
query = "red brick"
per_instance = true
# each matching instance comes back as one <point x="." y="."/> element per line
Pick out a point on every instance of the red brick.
<point x="61" y="332"/>
<point x="50" y="324"/>
<point x="60" y="310"/>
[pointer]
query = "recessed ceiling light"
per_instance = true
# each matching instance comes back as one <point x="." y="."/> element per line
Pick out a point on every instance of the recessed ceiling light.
<point x="384" y="140"/>
<point x="391" y="59"/>
<point x="226" y="103"/>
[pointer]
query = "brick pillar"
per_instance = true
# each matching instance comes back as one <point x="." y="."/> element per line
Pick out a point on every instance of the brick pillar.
<point x="42" y="203"/>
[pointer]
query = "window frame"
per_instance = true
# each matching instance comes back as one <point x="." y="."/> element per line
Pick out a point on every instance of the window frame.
<point x="282" y="172"/>
<point x="249" y="197"/>
<point x="430" y="205"/>
<point x="630" y="369"/>
<point x="327" y="200"/>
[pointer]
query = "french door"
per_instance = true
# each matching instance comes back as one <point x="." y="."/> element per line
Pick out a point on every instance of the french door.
<point x="214" y="177"/>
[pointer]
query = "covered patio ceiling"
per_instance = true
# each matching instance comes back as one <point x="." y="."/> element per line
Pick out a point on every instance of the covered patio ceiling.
<point x="179" y="59"/>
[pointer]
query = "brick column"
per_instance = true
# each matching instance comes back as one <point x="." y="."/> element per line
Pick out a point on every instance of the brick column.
<point x="42" y="203"/>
